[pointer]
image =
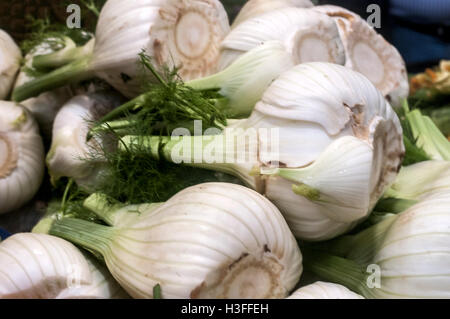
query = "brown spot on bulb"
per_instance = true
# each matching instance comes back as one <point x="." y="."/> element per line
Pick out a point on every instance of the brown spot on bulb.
<point x="248" y="276"/>
<point x="9" y="157"/>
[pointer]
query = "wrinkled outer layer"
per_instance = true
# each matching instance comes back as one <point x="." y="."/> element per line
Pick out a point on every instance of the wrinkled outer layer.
<point x="302" y="31"/>
<point x="369" y="53"/>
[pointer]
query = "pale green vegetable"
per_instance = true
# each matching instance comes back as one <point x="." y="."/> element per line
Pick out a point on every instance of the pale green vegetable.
<point x="213" y="240"/>
<point x="117" y="214"/>
<point x="69" y="152"/>
<point x="324" y="290"/>
<point x="404" y="256"/>
<point x="39" y="266"/>
<point x="184" y="34"/>
<point x="416" y="182"/>
<point x="21" y="157"/>
<point x="322" y="144"/>
<point x="239" y="86"/>
<point x="56" y="52"/>
<point x="307" y="35"/>
<point x="428" y="136"/>
<point x="243" y="83"/>
<point x="10" y="56"/>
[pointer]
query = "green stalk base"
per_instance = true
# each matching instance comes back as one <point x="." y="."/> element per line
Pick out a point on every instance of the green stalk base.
<point x="86" y="234"/>
<point x="72" y="73"/>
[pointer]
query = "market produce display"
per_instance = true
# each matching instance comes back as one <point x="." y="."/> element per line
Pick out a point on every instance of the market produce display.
<point x="337" y="160"/>
<point x="178" y="154"/>
<point x="182" y="34"/>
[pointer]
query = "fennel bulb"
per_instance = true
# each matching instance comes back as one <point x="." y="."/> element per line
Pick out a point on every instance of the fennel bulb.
<point x="21" y="157"/>
<point x="428" y="177"/>
<point x="253" y="8"/>
<point x="183" y="34"/>
<point x="338" y="146"/>
<point x="42" y="266"/>
<point x="368" y="52"/>
<point x="324" y="290"/>
<point x="408" y="251"/>
<point x="307" y="35"/>
<point x="428" y="136"/>
<point x="10" y="56"/>
<point x="213" y="240"/>
<point x="69" y="150"/>
<point x="102" y="285"/>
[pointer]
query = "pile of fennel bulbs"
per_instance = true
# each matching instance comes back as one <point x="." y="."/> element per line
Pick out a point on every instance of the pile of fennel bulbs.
<point x="326" y="192"/>
<point x="213" y="240"/>
<point x="336" y="150"/>
<point x="183" y="34"/>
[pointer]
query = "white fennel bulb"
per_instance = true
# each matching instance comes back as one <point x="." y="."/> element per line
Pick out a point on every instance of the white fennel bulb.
<point x="185" y="34"/>
<point x="10" y="56"/>
<point x="21" y="157"/>
<point x="254" y="8"/>
<point x="101" y="286"/>
<point x="427" y="135"/>
<point x="243" y="83"/>
<point x="70" y="151"/>
<point x="410" y="252"/>
<point x="369" y="53"/>
<point x="40" y="266"/>
<point x="324" y="148"/>
<point x="213" y="240"/>
<point x="307" y="35"/>
<point x="324" y="290"/>
<point x="45" y="107"/>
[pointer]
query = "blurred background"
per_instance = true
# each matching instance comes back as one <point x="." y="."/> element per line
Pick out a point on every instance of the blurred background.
<point x="420" y="29"/>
